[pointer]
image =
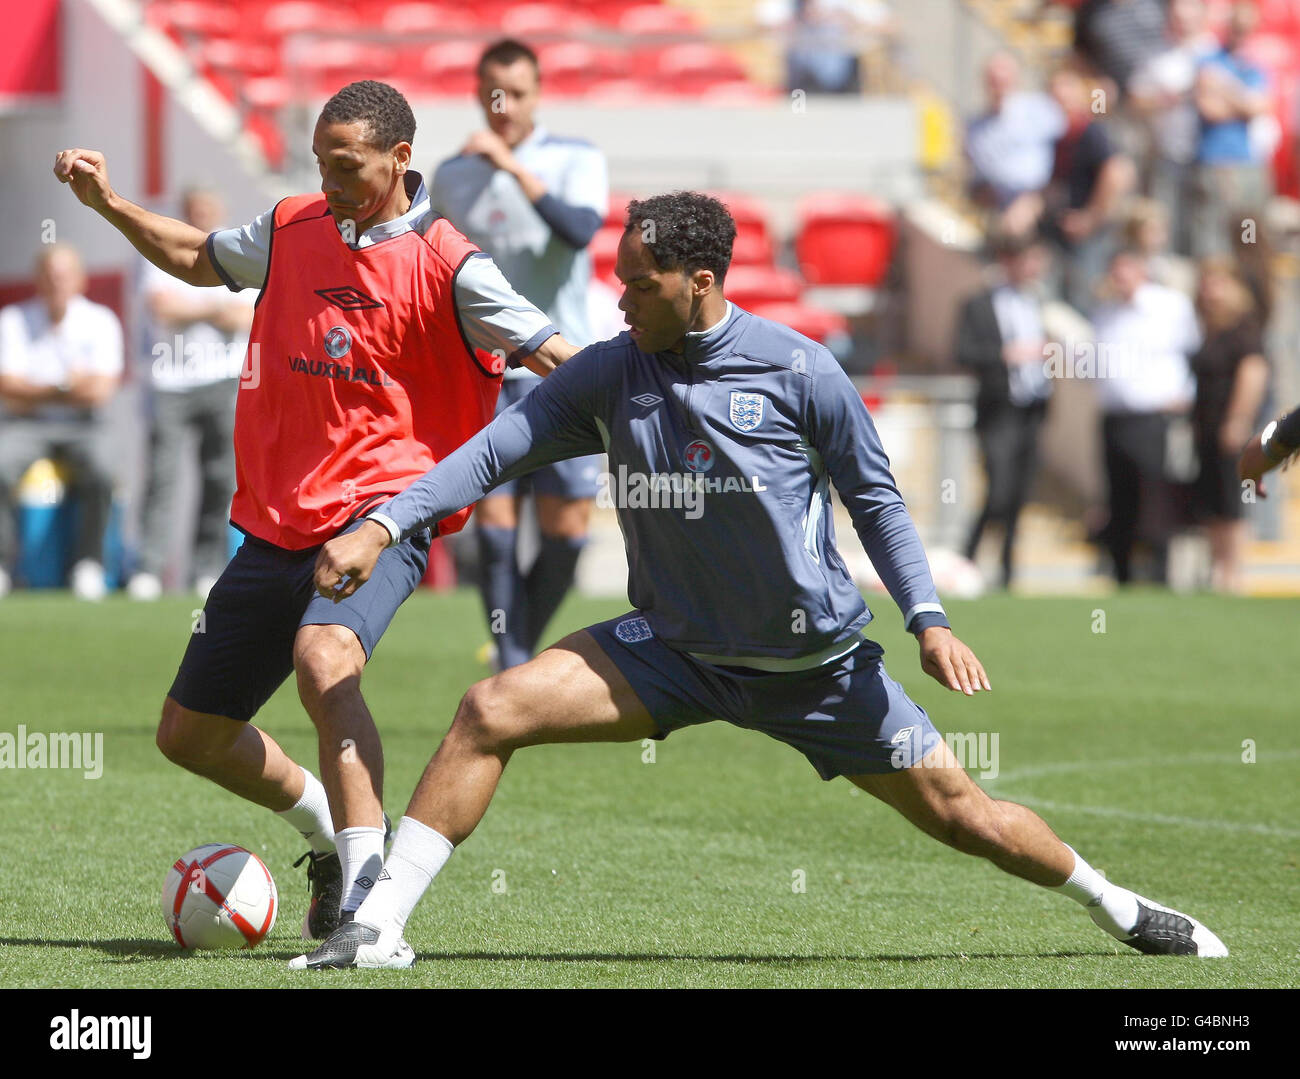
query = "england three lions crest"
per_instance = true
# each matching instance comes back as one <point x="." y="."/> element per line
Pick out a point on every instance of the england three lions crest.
<point x="746" y="410"/>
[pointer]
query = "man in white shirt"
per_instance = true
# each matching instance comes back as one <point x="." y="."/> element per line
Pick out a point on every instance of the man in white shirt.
<point x="533" y="201"/>
<point x="60" y="363"/>
<point x="1010" y="146"/>
<point x="194" y="344"/>
<point x="1144" y="337"/>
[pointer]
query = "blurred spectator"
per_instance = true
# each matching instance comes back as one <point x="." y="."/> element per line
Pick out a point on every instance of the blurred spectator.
<point x="1117" y="36"/>
<point x="1250" y="242"/>
<point x="1231" y="380"/>
<point x="1162" y="91"/>
<point x="195" y="341"/>
<point x="533" y="201"/>
<point x="60" y="363"/>
<point x="1232" y="179"/>
<point x="1001" y="337"/>
<point x="825" y="39"/>
<point x="1010" y="147"/>
<point x="1082" y="202"/>
<point x="1143" y="338"/>
<point x="1146" y="230"/>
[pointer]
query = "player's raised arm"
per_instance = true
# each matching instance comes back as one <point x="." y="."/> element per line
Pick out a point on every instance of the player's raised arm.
<point x="173" y="246"/>
<point x="844" y="435"/>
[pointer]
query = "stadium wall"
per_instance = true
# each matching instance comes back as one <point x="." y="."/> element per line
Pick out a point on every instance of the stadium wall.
<point x="103" y="106"/>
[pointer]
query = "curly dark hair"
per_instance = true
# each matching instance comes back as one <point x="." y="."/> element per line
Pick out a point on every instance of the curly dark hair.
<point x="685" y="230"/>
<point x="384" y="110"/>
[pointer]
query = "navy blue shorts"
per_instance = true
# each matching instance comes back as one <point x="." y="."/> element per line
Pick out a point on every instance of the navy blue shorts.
<point x="577" y="477"/>
<point x="241" y="649"/>
<point x="848" y="717"/>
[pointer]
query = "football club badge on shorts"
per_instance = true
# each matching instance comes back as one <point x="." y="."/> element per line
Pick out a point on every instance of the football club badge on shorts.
<point x="633" y="630"/>
<point x="337" y="342"/>
<point x="699" y="456"/>
<point x="746" y="410"/>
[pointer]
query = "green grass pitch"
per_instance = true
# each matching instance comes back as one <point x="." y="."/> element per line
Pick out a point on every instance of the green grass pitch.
<point x="596" y="868"/>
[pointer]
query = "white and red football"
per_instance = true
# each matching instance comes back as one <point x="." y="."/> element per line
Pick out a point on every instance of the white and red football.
<point x="219" y="896"/>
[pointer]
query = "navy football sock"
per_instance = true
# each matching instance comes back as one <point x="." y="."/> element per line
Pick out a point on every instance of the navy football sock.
<point x="504" y="601"/>
<point x="549" y="581"/>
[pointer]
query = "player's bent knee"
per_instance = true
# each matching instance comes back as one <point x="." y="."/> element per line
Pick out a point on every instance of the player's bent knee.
<point x="324" y="656"/>
<point x="486" y="716"/>
<point x="187" y="738"/>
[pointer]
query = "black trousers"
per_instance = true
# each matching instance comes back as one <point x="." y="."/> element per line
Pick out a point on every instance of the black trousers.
<point x="1008" y="438"/>
<point x="1143" y="503"/>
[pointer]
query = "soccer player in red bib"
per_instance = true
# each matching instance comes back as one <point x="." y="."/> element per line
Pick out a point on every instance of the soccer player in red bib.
<point x="378" y="345"/>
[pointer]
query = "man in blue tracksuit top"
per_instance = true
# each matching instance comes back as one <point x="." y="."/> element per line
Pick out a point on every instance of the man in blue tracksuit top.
<point x="723" y="431"/>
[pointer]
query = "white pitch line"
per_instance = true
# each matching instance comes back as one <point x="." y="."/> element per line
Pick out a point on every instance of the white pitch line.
<point x="1162" y="818"/>
<point x="1061" y="767"/>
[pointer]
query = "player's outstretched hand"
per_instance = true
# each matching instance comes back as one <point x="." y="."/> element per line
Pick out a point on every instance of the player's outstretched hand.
<point x="949" y="662"/>
<point x="346" y="562"/>
<point x="87" y="172"/>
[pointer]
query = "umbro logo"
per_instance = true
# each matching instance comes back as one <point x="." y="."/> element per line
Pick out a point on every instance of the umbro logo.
<point x="647" y="400"/>
<point x="365" y="882"/>
<point x="348" y="298"/>
<point x="383" y="875"/>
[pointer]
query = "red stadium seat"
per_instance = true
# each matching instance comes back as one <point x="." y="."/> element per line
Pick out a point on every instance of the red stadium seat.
<point x="844" y="239"/>
<point x="821" y="325"/>
<point x="606" y="12"/>
<point x="241" y="58"/>
<point x="751" y="285"/>
<point x="528" y="20"/>
<point x="696" y="62"/>
<point x="293" y="16"/>
<point x="327" y="65"/>
<point x="451" y="66"/>
<point x="616" y="215"/>
<point x="402" y="19"/>
<point x="647" y="19"/>
<point x="753" y="239"/>
<point x="1280" y="17"/>
<point x="633" y="90"/>
<point x="194" y="18"/>
<point x="571" y="67"/>
<point x="604" y="253"/>
<point x="266" y="94"/>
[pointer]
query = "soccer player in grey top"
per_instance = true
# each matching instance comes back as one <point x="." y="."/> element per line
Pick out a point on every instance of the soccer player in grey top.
<point x="533" y="201"/>
<point x="723" y="431"/>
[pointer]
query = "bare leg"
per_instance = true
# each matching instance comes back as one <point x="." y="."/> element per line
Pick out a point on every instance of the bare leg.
<point x="572" y="692"/>
<point x="329" y="661"/>
<point x="235" y="755"/>
<point x="944" y="802"/>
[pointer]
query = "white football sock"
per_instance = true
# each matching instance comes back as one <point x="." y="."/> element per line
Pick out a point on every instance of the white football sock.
<point x="310" y="815"/>
<point x="417" y="856"/>
<point x="361" y="855"/>
<point x="1113" y="908"/>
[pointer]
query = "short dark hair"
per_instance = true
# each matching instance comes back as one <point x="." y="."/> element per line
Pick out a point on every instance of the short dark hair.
<point x="1008" y="244"/>
<point x="685" y="230"/>
<point x="381" y="108"/>
<point x="506" y="52"/>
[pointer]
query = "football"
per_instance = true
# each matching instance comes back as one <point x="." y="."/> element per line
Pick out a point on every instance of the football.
<point x="219" y="896"/>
